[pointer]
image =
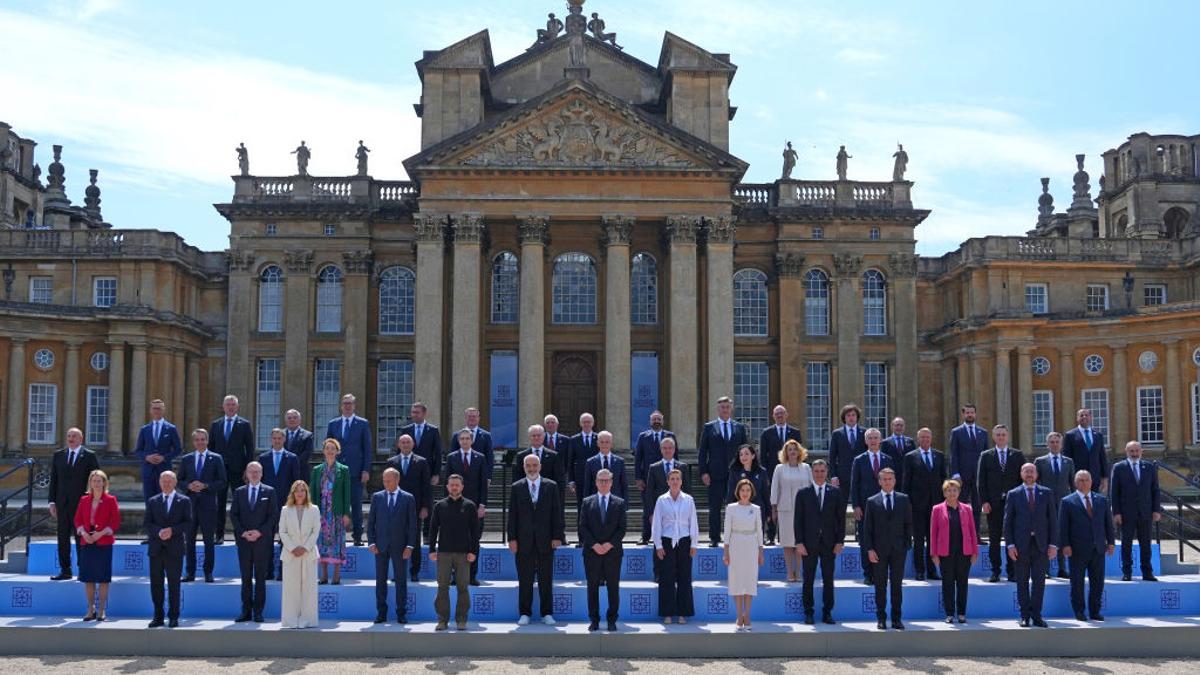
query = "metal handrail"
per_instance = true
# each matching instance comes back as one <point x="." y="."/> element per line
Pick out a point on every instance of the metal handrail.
<point x="29" y="464"/>
<point x="1182" y="524"/>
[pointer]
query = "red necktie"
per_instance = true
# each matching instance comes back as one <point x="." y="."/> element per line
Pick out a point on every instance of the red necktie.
<point x="1088" y="500"/>
<point x="467" y="461"/>
<point x="551" y="441"/>
<point x="875" y="462"/>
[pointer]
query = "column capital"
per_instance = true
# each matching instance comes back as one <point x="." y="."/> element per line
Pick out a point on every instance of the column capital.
<point x="1066" y="351"/>
<point x="1172" y="341"/>
<point x="790" y="265"/>
<point x="721" y="229"/>
<point x="18" y="341"/>
<point x="429" y="227"/>
<point x="1025" y="349"/>
<point x="298" y="261"/>
<point x="903" y="264"/>
<point x="533" y="228"/>
<point x="683" y="229"/>
<point x="358" y="262"/>
<point x="467" y="228"/>
<point x="618" y="230"/>
<point x="73" y="344"/>
<point x="847" y="264"/>
<point x="1118" y="345"/>
<point x="240" y="261"/>
<point x="1003" y="349"/>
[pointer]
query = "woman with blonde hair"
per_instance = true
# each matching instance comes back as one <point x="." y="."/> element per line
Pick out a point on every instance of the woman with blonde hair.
<point x="791" y="475"/>
<point x="330" y="484"/>
<point x="743" y="537"/>
<point x="299" y="528"/>
<point x="96" y="522"/>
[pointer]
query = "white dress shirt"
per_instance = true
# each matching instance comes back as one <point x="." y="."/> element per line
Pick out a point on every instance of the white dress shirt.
<point x="674" y="519"/>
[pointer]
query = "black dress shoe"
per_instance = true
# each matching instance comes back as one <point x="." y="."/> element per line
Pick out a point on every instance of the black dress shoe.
<point x="898" y="624"/>
<point x="322" y="582"/>
<point x="173" y="623"/>
<point x="61" y="576"/>
<point x="380" y="618"/>
<point x="1149" y="577"/>
<point x="881" y="624"/>
<point x="220" y="540"/>
<point x="473" y="581"/>
<point x="1039" y="622"/>
<point x="612" y="626"/>
<point x="1064" y="575"/>
<point x="188" y="579"/>
<point x="358" y="542"/>
<point x="1012" y="579"/>
<point x="714" y="544"/>
<point x="1097" y="617"/>
<point x="643" y="541"/>
<point x="920" y="576"/>
<point x="155" y="623"/>
<point x="594" y="626"/>
<point x="242" y="618"/>
<point x="933" y="576"/>
<point x="1080" y="617"/>
<point x="827" y="617"/>
<point x="867" y="582"/>
<point x="995" y="578"/>
<point x="1126" y="577"/>
<point x="258" y="618"/>
<point x="808" y="618"/>
<point x="401" y="618"/>
<point x="270" y="576"/>
<point x="1024" y="622"/>
<point x="414" y="577"/>
<point x="208" y="578"/>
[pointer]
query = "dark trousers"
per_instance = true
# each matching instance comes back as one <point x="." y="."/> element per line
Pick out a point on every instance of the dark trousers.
<point x="1140" y="529"/>
<point x="603" y="569"/>
<point x="1031" y="567"/>
<point x="675" y="579"/>
<point x="254" y="560"/>
<point x="65" y="527"/>
<point x="956" y="571"/>
<point x="808" y="566"/>
<point x="995" y="523"/>
<point x="414" y="563"/>
<point x="716" y="499"/>
<point x="356" y="495"/>
<point x="540" y="565"/>
<point x="646" y="515"/>
<point x="170" y="567"/>
<point x="150" y="485"/>
<point x="452" y="565"/>
<point x="890" y="567"/>
<point x="393" y="558"/>
<point x="970" y="495"/>
<point x="1091" y="563"/>
<point x="920" y="539"/>
<point x="865" y="562"/>
<point x="204" y="523"/>
<point x="232" y="483"/>
<point x="475" y="563"/>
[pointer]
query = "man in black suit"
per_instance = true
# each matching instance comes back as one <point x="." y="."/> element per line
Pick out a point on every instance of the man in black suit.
<point x="1086" y="535"/>
<point x="770" y="443"/>
<point x="998" y="472"/>
<point x="553" y="464"/>
<point x="69" y="472"/>
<point x="845" y="443"/>
<point x="1031" y="535"/>
<point x="535" y="529"/>
<point x="166" y="521"/>
<point x="819" y="522"/>
<point x="657" y="484"/>
<point x="427" y="441"/>
<point x="897" y="445"/>
<point x="921" y="479"/>
<point x="299" y="441"/>
<point x="601" y="531"/>
<point x="605" y="458"/>
<point x="231" y="437"/>
<point x="255" y="518"/>
<point x="471" y="466"/>
<point x="967" y="443"/>
<point x="560" y="443"/>
<point x="1136" y="506"/>
<point x="1057" y="472"/>
<point x="414" y="479"/>
<point x="1086" y="447"/>
<point x="887" y="532"/>
<point x="646" y="452"/>
<point x="583" y="446"/>
<point x="481" y="441"/>
<point x="864" y="483"/>
<point x="718" y="446"/>
<point x="202" y="474"/>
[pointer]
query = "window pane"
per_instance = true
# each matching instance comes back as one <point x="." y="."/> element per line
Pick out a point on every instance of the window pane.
<point x="752" y="392"/>
<point x="1154" y="295"/>
<point x="749" y="303"/>
<point x="394" y="396"/>
<point x="816" y="405"/>
<point x="816" y="303"/>
<point x="1150" y="415"/>
<point x="97" y="416"/>
<point x="1043" y="416"/>
<point x="874" y="293"/>
<point x="104" y="291"/>
<point x="875" y="395"/>
<point x="1096" y="400"/>
<point x="329" y="300"/>
<point x="43" y="407"/>
<point x="267" y="402"/>
<point x="643" y="288"/>
<point x="506" y="282"/>
<point x="1035" y="298"/>
<point x="1097" y="298"/>
<point x="574" y="289"/>
<point x="397" y="301"/>
<point x="41" y="290"/>
<point x="327" y="386"/>
<point x="270" y="300"/>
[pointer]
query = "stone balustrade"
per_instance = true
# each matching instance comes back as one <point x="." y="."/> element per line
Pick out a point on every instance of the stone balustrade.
<point x="109" y="244"/>
<point x="826" y="194"/>
<point x="986" y="249"/>
<point x="362" y="190"/>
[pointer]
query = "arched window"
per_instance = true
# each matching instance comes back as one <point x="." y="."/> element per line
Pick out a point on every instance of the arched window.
<point x="749" y="302"/>
<point x="643" y="289"/>
<point x="270" y="300"/>
<point x="1176" y="220"/>
<point x="329" y="300"/>
<point x="506" y="286"/>
<point x="816" y="303"/>
<point x="874" y="294"/>
<point x="574" y="289"/>
<point x="397" y="293"/>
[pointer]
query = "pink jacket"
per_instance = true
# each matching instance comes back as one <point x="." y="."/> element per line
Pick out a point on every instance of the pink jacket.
<point x="939" y="530"/>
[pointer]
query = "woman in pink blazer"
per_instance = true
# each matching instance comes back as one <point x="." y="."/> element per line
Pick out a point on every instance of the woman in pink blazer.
<point x="954" y="547"/>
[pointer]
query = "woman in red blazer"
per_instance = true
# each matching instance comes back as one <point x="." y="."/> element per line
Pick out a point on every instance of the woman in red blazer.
<point x="96" y="521"/>
<point x="954" y="547"/>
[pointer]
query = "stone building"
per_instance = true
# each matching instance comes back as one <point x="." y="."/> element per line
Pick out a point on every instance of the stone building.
<point x="575" y="236"/>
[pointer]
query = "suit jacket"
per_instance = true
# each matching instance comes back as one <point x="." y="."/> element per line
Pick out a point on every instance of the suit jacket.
<point x="561" y="444"/>
<point x="357" y="448"/>
<point x="69" y="483"/>
<point x="533" y="526"/>
<point x="769" y="444"/>
<point x="1020" y="521"/>
<point x="289" y="472"/>
<point x="819" y="527"/>
<point x="430" y="446"/>
<point x="1094" y="460"/>
<point x="606" y="528"/>
<point x="656" y="480"/>
<point x="993" y="482"/>
<point x="761" y="480"/>
<point x="922" y="484"/>
<point x="475" y="480"/>
<point x="965" y="451"/>
<point x="578" y="461"/>
<point x="301" y="446"/>
<point x="482" y="445"/>
<point x="168" y="445"/>
<point x="616" y="465"/>
<point x="213" y="474"/>
<point x="1064" y="484"/>
<point x="554" y="465"/>
<point x="262" y="515"/>
<point x="841" y="454"/>
<point x="341" y="487"/>
<point x="416" y="481"/>
<point x="303" y="531"/>
<point x="238" y="450"/>
<point x="157" y="518"/>
<point x="886" y="532"/>
<point x="897" y="450"/>
<point x="646" y="452"/>
<point x="864" y="481"/>
<point x="939" y="530"/>
<point x="1134" y="499"/>
<point x="1081" y="532"/>
<point x="716" y="453"/>
<point x="392" y="529"/>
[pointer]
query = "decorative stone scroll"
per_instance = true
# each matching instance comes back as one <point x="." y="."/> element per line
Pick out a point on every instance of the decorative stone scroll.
<point x="429" y="227"/>
<point x="789" y="264"/>
<point x="533" y="229"/>
<point x="618" y="230"/>
<point x="467" y="227"/>
<point x="358" y="262"/>
<point x="847" y="264"/>
<point x="298" y="260"/>
<point x="721" y="229"/>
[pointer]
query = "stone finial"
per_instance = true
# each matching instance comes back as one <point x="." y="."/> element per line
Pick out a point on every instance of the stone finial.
<point x="618" y="230"/>
<point x="847" y="264"/>
<point x="1083" y="196"/>
<point x="1045" y="202"/>
<point x="37" y="173"/>
<point x="467" y="227"/>
<point x="789" y="264"/>
<point x="91" y="199"/>
<point x="57" y="180"/>
<point x="721" y="229"/>
<point x="683" y="229"/>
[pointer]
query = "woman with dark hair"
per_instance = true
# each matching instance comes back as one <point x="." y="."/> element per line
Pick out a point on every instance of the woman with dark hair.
<point x="743" y="537"/>
<point x="747" y="467"/>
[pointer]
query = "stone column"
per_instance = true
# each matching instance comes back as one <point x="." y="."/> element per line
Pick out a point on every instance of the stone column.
<point x="16" y="394"/>
<point x="963" y="388"/>
<point x="192" y="409"/>
<point x="683" y="359"/>
<point x="789" y="267"/>
<point x="848" y="329"/>
<point x="948" y="403"/>
<point x="1066" y="396"/>
<point x="979" y="361"/>
<point x="1173" y="397"/>
<point x="357" y="297"/>
<point x="466" y="324"/>
<point x="1003" y="387"/>
<point x="904" y="301"/>
<point x="70" y="408"/>
<point x="116" y="397"/>
<point x="138" y="402"/>
<point x="1025" y="399"/>
<point x="239" y="371"/>
<point x="1120" y="420"/>
<point x="617" y="365"/>
<point x="531" y="355"/>
<point x="298" y="313"/>
<point x="178" y="402"/>
<point x="719" y="292"/>
<point x="430" y="232"/>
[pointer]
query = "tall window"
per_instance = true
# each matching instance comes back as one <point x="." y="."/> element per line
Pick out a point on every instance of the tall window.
<point x="96" y="432"/>
<point x="874" y="295"/>
<point x="1036" y="301"/>
<point x="270" y="300"/>
<point x="394" y="396"/>
<point x="43" y="409"/>
<point x="104" y="291"/>
<point x="817" y="405"/>
<point x="1150" y="415"/>
<point x="1195" y="413"/>
<point x="875" y="395"/>
<point x="1154" y="295"/>
<point x="1096" y="400"/>
<point x="41" y="290"/>
<point x="1043" y="416"/>
<point x="749" y="302"/>
<point x="816" y="303"/>
<point x="329" y="300"/>
<point x="267" y="402"/>
<point x="643" y="289"/>
<point x="574" y="289"/>
<point x="327" y="388"/>
<point x="397" y="301"/>
<point x="1097" y="297"/>
<point x="752" y="392"/>
<point x="506" y="284"/>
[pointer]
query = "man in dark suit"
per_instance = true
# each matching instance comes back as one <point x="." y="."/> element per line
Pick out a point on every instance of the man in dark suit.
<point x="481" y="442"/>
<point x="354" y="435"/>
<point x="553" y="465"/>
<point x="967" y="443"/>
<point x="471" y="466"/>
<point x="1031" y="536"/>
<point x="657" y="483"/>
<point x="887" y="532"/>
<point x="231" y="437"/>
<point x="718" y="446"/>
<point x="280" y="469"/>
<point x="414" y="479"/>
<point x="1086" y="447"/>
<point x="392" y="537"/>
<point x="582" y="448"/>
<point x="560" y="443"/>
<point x="998" y="472"/>
<point x="897" y="445"/>
<point x="1136" y="505"/>
<point x="646" y="452"/>
<point x="255" y="518"/>
<point x="864" y="483"/>
<point x="1086" y="535"/>
<point x="602" y="531"/>
<point x="1057" y="472"/>
<point x="921" y="479"/>
<point x="535" y="529"/>
<point x="606" y="459"/>
<point x="427" y="438"/>
<point x="202" y="474"/>
<point x="158" y="445"/>
<point x="770" y="442"/>
<point x="299" y="441"/>
<point x="845" y="443"/>
<point x="166" y="521"/>
<point x="69" y="472"/>
<point x="819" y="522"/>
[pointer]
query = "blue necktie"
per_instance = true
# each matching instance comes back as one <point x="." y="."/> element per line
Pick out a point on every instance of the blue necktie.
<point x="418" y="430"/>
<point x="603" y="509"/>
<point x="1087" y="435"/>
<point x="404" y="464"/>
<point x="725" y="430"/>
<point x="228" y="427"/>
<point x="157" y="426"/>
<point x="888" y="499"/>
<point x="345" y="426"/>
<point x="276" y="454"/>
<point x="391" y="501"/>
<point x="199" y="465"/>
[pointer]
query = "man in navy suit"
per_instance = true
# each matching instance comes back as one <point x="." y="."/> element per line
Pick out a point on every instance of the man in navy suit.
<point x="280" y="468"/>
<point x="535" y="529"/>
<point x="1136" y="505"/>
<point x="428" y="439"/>
<point x="1085" y="446"/>
<point x="472" y="467"/>
<point x="845" y="443"/>
<point x="606" y="459"/>
<point x="560" y="443"/>
<point x="414" y="479"/>
<point x="887" y="533"/>
<point x="1057" y="472"/>
<point x="602" y="525"/>
<point x="255" y="518"/>
<point x="166" y="521"/>
<point x="864" y="483"/>
<point x="231" y="437"/>
<point x="898" y="445"/>
<point x="921" y="479"/>
<point x="354" y="435"/>
<point x="645" y="453"/>
<point x="998" y="472"/>
<point x="582" y="448"/>
<point x="158" y="445"/>
<point x="481" y="441"/>
<point x="298" y="441"/>
<point x="1030" y="534"/>
<point x="202" y="474"/>
<point x="1086" y="535"/>
<point x="967" y="443"/>
<point x="770" y="443"/>
<point x="718" y="446"/>
<point x="392" y="537"/>
<point x="819" y="522"/>
<point x="552" y="465"/>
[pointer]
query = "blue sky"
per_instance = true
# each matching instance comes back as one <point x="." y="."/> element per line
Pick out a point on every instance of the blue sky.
<point x="986" y="97"/>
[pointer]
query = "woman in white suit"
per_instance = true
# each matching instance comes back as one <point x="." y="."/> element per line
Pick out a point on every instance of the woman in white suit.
<point x="299" y="528"/>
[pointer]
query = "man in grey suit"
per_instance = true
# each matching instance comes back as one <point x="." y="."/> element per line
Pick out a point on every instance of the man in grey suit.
<point x="1055" y="471"/>
<point x="391" y="536"/>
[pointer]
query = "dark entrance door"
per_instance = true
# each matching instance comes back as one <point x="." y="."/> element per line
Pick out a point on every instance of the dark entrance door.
<point x="572" y="389"/>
